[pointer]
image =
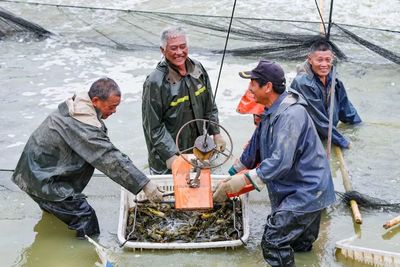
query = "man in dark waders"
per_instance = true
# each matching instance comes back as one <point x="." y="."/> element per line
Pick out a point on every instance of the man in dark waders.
<point x="62" y="153"/>
<point x="285" y="154"/>
<point x="313" y="82"/>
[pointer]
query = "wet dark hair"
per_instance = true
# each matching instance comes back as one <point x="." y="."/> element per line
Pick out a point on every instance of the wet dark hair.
<point x="103" y="88"/>
<point x="277" y="89"/>
<point x="320" y="45"/>
<point x="261" y="82"/>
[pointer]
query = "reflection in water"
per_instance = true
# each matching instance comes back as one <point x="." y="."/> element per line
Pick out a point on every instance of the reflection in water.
<point x="391" y="233"/>
<point x="56" y="245"/>
<point x="317" y="256"/>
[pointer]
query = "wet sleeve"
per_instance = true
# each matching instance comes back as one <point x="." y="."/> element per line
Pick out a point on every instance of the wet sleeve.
<point x="251" y="154"/>
<point x="94" y="146"/>
<point x="211" y="110"/>
<point x="154" y="128"/>
<point x="316" y="110"/>
<point x="286" y="131"/>
<point x="347" y="112"/>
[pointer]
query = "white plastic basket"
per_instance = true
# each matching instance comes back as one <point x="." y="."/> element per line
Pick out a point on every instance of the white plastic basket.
<point x="166" y="182"/>
<point x="375" y="257"/>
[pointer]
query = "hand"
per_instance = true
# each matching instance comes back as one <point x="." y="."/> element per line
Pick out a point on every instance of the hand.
<point x="219" y="142"/>
<point x="170" y="161"/>
<point x="232" y="184"/>
<point x="153" y="192"/>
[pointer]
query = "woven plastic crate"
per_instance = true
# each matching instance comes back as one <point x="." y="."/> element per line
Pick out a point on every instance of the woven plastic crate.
<point x="375" y="257"/>
<point x="166" y="182"/>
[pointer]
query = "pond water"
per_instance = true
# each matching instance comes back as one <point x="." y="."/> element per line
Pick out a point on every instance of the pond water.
<point x="36" y="76"/>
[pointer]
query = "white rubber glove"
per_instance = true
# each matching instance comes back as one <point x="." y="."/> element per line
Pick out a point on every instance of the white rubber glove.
<point x="219" y="142"/>
<point x="170" y="161"/>
<point x="153" y="192"/>
<point x="232" y="184"/>
<point x="255" y="180"/>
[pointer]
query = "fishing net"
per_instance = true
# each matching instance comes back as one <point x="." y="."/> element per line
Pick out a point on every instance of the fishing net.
<point x="11" y="25"/>
<point x="367" y="202"/>
<point x="249" y="37"/>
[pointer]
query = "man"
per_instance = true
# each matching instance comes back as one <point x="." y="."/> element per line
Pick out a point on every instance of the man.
<point x="177" y="91"/>
<point x="61" y="154"/>
<point x="286" y="154"/>
<point x="313" y="82"/>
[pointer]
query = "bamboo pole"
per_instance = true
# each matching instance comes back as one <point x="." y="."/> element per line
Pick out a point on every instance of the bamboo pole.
<point x="321" y="25"/>
<point x="347" y="185"/>
<point x="392" y="222"/>
<point x="331" y="108"/>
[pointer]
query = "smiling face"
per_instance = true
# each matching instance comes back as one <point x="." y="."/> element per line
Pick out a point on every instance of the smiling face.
<point x="264" y="95"/>
<point x="106" y="107"/>
<point x="176" y="51"/>
<point x="257" y="92"/>
<point x="321" y="63"/>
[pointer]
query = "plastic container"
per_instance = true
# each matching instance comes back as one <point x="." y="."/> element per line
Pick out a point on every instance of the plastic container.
<point x="375" y="257"/>
<point x="166" y="182"/>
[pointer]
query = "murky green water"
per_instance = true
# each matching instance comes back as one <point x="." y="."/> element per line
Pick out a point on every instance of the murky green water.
<point x="37" y="76"/>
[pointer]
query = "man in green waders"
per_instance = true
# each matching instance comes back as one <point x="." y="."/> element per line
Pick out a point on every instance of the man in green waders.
<point x="176" y="92"/>
<point x="62" y="153"/>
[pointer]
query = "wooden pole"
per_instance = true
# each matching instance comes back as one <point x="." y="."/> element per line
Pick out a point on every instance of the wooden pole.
<point x="331" y="108"/>
<point x="321" y="25"/>
<point x="347" y="185"/>
<point x="392" y="222"/>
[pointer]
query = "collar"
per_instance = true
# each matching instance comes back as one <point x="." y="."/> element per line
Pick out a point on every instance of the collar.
<point x="275" y="105"/>
<point x="80" y="107"/>
<point x="192" y="68"/>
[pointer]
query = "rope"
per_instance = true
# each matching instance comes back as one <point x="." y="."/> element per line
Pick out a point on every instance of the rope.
<point x="7" y="170"/>
<point x="220" y="68"/>
<point x="189" y="14"/>
<point x="223" y="54"/>
<point x="330" y="21"/>
<point x="377" y="49"/>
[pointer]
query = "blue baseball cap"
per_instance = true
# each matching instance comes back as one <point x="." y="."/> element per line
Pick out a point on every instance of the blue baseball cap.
<point x="268" y="71"/>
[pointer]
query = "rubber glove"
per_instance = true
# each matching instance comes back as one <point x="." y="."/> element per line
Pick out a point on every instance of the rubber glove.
<point x="153" y="192"/>
<point x="219" y="142"/>
<point x="232" y="184"/>
<point x="236" y="167"/>
<point x="170" y="161"/>
<point x="235" y="185"/>
<point x="255" y="180"/>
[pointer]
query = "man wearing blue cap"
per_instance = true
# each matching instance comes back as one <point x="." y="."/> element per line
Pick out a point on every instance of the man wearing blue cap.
<point x="285" y="154"/>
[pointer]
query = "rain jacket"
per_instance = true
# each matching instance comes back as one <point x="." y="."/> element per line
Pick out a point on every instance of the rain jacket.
<point x="292" y="159"/>
<point x="316" y="95"/>
<point x="168" y="102"/>
<point x="61" y="154"/>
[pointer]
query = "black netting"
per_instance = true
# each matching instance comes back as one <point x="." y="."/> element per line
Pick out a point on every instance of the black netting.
<point x="11" y="24"/>
<point x="368" y="202"/>
<point x="250" y="37"/>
